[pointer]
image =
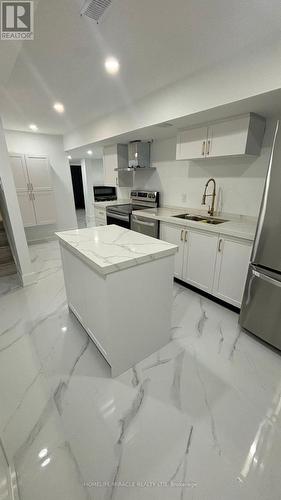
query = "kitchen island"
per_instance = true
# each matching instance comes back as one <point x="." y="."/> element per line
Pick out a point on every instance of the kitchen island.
<point x="119" y="286"/>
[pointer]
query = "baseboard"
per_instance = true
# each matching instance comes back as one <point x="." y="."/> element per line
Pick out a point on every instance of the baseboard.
<point x="27" y="279"/>
<point x="208" y="296"/>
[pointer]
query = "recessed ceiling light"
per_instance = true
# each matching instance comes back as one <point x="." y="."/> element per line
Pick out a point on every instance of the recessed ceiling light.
<point x="69" y="157"/>
<point x="59" y="107"/>
<point x="112" y="65"/>
<point x="42" y="453"/>
<point x="46" y="462"/>
<point x="90" y="152"/>
<point x="33" y="127"/>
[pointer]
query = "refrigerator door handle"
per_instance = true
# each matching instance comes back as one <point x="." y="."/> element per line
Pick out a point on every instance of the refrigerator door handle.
<point x="264" y="277"/>
<point x="248" y="299"/>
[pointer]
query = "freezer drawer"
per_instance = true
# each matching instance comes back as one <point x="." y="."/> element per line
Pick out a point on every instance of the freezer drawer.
<point x="261" y="306"/>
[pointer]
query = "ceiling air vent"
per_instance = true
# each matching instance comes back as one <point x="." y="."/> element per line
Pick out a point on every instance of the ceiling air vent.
<point x="95" y="8"/>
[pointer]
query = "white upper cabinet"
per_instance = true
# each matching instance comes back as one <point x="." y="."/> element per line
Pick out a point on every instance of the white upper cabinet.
<point x="231" y="269"/>
<point x="39" y="172"/>
<point x="19" y="172"/>
<point x="192" y="143"/>
<point x="238" y="136"/>
<point x="109" y="165"/>
<point x="116" y="157"/>
<point x="200" y="261"/>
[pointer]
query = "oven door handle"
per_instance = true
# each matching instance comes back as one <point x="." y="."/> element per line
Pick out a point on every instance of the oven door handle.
<point x="125" y="218"/>
<point x="143" y="222"/>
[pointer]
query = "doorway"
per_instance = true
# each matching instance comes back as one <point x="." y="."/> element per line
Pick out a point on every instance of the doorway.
<point x="77" y="185"/>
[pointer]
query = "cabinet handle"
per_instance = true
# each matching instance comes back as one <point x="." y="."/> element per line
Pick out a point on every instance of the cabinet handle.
<point x="208" y="147"/>
<point x="182" y="235"/>
<point x="185" y="236"/>
<point x="203" y="147"/>
<point x="33" y="196"/>
<point x="220" y="243"/>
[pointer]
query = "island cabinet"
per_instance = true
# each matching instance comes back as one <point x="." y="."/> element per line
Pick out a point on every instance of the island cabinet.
<point x="119" y="285"/>
<point x="214" y="263"/>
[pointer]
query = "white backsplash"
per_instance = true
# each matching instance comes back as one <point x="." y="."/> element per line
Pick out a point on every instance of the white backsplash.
<point x="240" y="181"/>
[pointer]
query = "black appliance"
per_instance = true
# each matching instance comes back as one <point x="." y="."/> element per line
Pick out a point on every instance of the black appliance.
<point x="104" y="193"/>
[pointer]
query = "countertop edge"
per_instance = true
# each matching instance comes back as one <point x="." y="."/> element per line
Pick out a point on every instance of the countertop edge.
<point x="218" y="229"/>
<point x="113" y="268"/>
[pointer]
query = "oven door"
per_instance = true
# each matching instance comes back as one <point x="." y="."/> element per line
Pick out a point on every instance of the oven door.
<point x="118" y="219"/>
<point x="145" y="226"/>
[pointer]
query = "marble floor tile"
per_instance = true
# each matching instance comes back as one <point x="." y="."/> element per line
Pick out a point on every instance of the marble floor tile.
<point x="199" y="419"/>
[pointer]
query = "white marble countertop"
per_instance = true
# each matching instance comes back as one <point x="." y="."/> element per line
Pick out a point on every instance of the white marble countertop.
<point x="104" y="204"/>
<point x="240" y="227"/>
<point x="111" y="248"/>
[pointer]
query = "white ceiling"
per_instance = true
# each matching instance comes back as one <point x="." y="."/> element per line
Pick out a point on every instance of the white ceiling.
<point x="157" y="42"/>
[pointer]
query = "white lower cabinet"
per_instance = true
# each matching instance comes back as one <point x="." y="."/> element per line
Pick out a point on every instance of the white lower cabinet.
<point x="200" y="261"/>
<point x="175" y="235"/>
<point x="100" y="216"/>
<point x="214" y="263"/>
<point x="27" y="208"/>
<point x="33" y="181"/>
<point x="231" y="269"/>
<point x="44" y="206"/>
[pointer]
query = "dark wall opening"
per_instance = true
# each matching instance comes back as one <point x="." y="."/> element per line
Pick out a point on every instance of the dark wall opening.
<point x="77" y="184"/>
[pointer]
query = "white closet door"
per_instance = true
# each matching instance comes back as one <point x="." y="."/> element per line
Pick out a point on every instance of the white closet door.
<point x="17" y="163"/>
<point x="44" y="205"/>
<point x="39" y="172"/>
<point x="26" y="208"/>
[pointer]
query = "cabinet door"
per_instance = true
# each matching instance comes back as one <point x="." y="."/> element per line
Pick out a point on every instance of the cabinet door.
<point x="191" y="144"/>
<point x="200" y="262"/>
<point x="26" y="208"/>
<point x="44" y="206"/>
<point x="231" y="269"/>
<point x="17" y="163"/>
<point x="39" y="172"/>
<point x="228" y="138"/>
<point x="175" y="235"/>
<point x="109" y="165"/>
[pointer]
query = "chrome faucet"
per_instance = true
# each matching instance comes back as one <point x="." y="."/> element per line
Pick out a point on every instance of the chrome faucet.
<point x="211" y="209"/>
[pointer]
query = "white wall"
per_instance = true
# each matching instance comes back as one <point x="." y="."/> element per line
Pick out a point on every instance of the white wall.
<point x="239" y="78"/>
<point x="181" y="183"/>
<point x="51" y="146"/>
<point x="11" y="210"/>
<point x="92" y="174"/>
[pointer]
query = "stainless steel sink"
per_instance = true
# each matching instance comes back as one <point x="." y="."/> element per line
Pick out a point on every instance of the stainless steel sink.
<point x="200" y="218"/>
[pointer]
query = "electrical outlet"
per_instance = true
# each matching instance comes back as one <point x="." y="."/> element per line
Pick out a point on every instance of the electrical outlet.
<point x="183" y="197"/>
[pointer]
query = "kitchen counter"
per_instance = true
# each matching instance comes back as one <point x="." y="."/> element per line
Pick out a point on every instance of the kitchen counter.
<point x="241" y="227"/>
<point x="108" y="249"/>
<point x="119" y="286"/>
<point x="104" y="204"/>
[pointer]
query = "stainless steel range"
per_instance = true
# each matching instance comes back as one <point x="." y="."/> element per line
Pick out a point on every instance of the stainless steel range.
<point x="122" y="214"/>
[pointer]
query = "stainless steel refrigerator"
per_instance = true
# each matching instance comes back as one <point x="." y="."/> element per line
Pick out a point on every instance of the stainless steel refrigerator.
<point x="261" y="305"/>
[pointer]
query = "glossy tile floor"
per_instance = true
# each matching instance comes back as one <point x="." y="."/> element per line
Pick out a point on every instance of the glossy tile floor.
<point x="200" y="419"/>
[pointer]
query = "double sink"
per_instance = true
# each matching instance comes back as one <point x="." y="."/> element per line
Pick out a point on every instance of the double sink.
<point x="200" y="218"/>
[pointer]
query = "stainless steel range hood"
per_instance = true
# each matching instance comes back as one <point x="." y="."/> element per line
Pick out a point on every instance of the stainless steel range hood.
<point x="138" y="157"/>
